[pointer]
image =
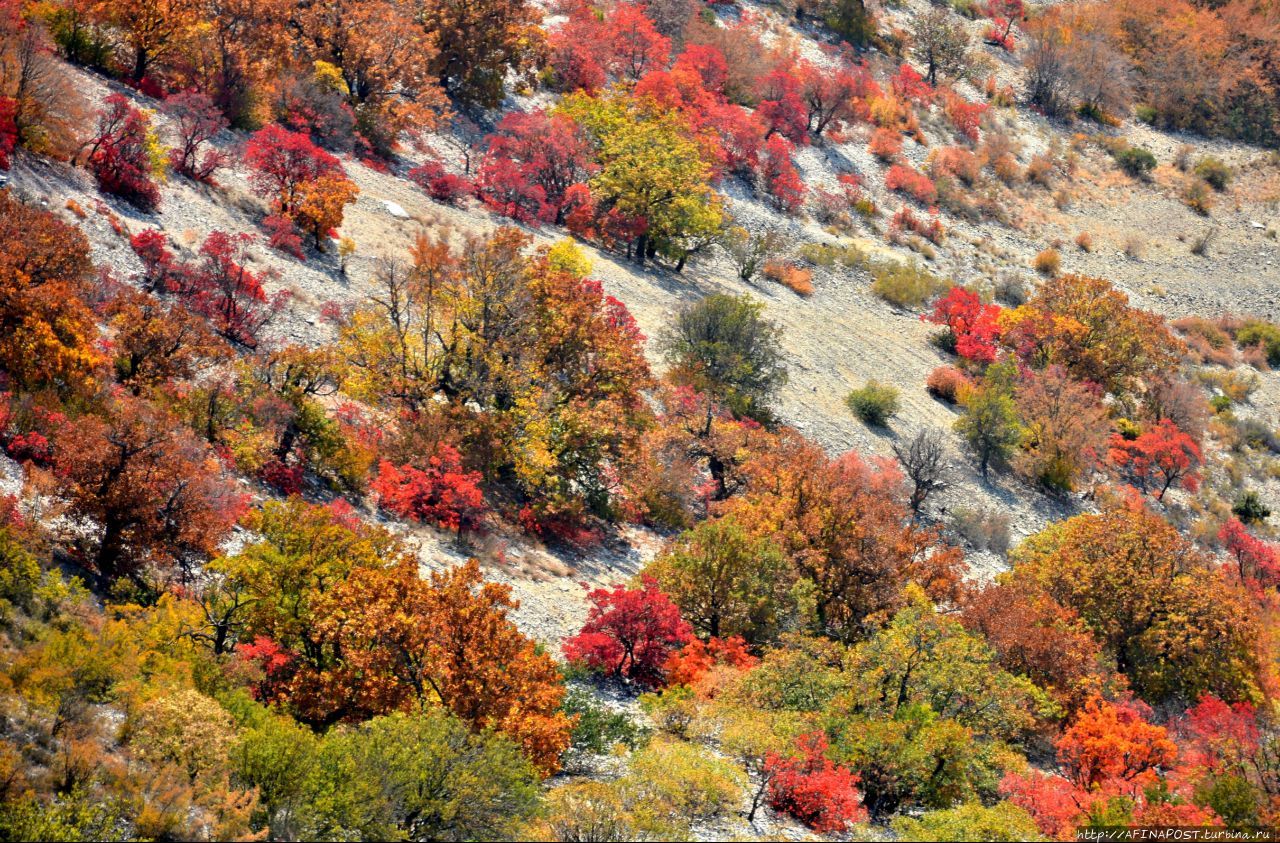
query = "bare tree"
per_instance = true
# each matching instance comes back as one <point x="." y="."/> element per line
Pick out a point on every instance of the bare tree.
<point x="1098" y="73"/>
<point x="941" y="43"/>
<point x="1045" y="57"/>
<point x="924" y="460"/>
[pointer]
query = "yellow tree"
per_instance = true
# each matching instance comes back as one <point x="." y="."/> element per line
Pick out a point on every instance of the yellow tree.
<point x="653" y="178"/>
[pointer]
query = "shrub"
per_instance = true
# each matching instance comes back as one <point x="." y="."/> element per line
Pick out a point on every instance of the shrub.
<point x="874" y="403"/>
<point x="821" y="794"/>
<point x="120" y="154"/>
<point x="1048" y="263"/>
<point x="982" y="529"/>
<point x="283" y="235"/>
<point x="445" y="494"/>
<point x="1262" y="334"/>
<point x="1198" y="196"/>
<point x="885" y="144"/>
<point x="1249" y="507"/>
<point x="1214" y="171"/>
<point x="598" y="728"/>
<point x="905" y="179"/>
<point x="945" y="383"/>
<point x="906" y="285"/>
<point x="957" y="162"/>
<point x="964" y="115"/>
<point x="1137" y="161"/>
<point x="440" y="185"/>
<point x="197" y="120"/>
<point x="796" y="279"/>
<point x="906" y="220"/>
<point x="1084" y="241"/>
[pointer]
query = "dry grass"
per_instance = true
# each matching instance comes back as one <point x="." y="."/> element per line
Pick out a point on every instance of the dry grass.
<point x="1048" y="263"/>
<point x="797" y="279"/>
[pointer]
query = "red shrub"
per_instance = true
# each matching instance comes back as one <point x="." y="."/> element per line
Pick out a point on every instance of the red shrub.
<point x="910" y="85"/>
<point x="904" y="178"/>
<point x="8" y="130"/>
<point x="445" y="494"/>
<point x="630" y="632"/>
<point x="885" y="144"/>
<point x="283" y="235"/>
<point x="118" y="155"/>
<point x="906" y="220"/>
<point x="965" y="116"/>
<point x="693" y="661"/>
<point x="197" y="121"/>
<point x="1158" y="459"/>
<point x="286" y="479"/>
<point x="945" y="383"/>
<point x="159" y="267"/>
<point x="813" y="789"/>
<point x="780" y="177"/>
<point x="440" y="185"/>
<point x="222" y="290"/>
<point x="974" y="325"/>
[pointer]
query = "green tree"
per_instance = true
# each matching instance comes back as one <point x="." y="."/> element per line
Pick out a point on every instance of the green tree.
<point x="990" y="425"/>
<point x="725" y="581"/>
<point x="724" y="346"/>
<point x="417" y="777"/>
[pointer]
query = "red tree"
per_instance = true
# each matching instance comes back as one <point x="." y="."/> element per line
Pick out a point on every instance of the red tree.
<point x="831" y="98"/>
<point x="782" y="106"/>
<point x="1111" y="746"/>
<point x="635" y="45"/>
<point x="779" y="174"/>
<point x="444" y="494"/>
<point x="8" y="130"/>
<point x="118" y="154"/>
<point x="1257" y="563"/>
<point x="152" y="493"/>
<point x="198" y="121"/>
<point x="586" y="51"/>
<point x="221" y="289"/>
<point x="972" y="324"/>
<point x="813" y="789"/>
<point x="281" y="162"/>
<point x="630" y="632"/>
<point x="1158" y="459"/>
<point x="708" y="63"/>
<point x="548" y="151"/>
<point x="1004" y="14"/>
<point x="1216" y="736"/>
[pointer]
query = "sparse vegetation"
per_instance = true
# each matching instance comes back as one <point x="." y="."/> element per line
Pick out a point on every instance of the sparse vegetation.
<point x="907" y="285"/>
<point x="875" y="403"/>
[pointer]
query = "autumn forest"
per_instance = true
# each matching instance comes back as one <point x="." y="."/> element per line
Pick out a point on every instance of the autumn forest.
<point x="656" y="420"/>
